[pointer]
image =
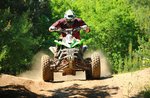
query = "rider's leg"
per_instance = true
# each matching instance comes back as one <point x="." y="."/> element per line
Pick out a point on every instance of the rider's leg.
<point x="54" y="50"/>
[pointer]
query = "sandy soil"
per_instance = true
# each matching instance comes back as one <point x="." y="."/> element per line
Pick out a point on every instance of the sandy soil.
<point x="118" y="86"/>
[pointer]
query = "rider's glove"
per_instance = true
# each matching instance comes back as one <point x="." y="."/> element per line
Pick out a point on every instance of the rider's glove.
<point x="84" y="27"/>
<point x="52" y="28"/>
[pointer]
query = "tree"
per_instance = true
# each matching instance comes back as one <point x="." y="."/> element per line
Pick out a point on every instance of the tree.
<point x="23" y="25"/>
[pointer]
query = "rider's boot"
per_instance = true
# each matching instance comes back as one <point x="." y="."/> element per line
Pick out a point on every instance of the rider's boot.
<point x="84" y="48"/>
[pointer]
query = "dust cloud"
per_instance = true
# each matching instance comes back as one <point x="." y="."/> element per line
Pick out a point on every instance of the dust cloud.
<point x="35" y="72"/>
<point x="105" y="66"/>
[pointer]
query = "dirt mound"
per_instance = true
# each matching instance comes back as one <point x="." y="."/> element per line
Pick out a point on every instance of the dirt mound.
<point x="118" y="86"/>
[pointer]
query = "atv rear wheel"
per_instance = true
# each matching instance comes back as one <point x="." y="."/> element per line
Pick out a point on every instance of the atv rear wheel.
<point x="47" y="72"/>
<point x="95" y="64"/>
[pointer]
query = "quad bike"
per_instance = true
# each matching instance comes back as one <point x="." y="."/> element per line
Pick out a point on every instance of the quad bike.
<point x="70" y="59"/>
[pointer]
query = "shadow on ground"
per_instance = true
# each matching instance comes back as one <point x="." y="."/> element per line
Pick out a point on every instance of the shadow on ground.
<point x="17" y="91"/>
<point x="96" y="92"/>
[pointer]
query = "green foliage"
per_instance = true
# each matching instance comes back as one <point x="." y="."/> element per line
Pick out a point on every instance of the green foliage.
<point x="15" y="53"/>
<point x="59" y="7"/>
<point x="140" y="58"/>
<point x="112" y="26"/>
<point x="146" y="92"/>
<point x="120" y="28"/>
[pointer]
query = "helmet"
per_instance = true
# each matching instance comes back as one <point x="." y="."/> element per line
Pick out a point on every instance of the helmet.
<point x="69" y="15"/>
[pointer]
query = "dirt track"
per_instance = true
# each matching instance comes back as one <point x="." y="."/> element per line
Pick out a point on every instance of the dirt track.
<point x="118" y="86"/>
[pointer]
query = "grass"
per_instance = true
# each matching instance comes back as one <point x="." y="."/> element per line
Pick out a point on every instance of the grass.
<point x="146" y="92"/>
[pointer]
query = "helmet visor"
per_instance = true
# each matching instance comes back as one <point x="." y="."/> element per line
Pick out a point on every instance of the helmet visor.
<point x="70" y="16"/>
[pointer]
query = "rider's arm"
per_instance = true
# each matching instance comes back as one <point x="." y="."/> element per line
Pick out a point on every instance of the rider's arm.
<point x="55" y="26"/>
<point x="84" y="26"/>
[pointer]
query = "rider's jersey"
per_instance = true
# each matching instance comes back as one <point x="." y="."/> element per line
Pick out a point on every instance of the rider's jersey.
<point x="62" y="23"/>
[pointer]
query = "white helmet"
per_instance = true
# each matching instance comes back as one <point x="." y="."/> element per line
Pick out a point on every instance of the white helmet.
<point x="69" y="14"/>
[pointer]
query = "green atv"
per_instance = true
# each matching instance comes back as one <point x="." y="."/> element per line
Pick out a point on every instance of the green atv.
<point x="70" y="59"/>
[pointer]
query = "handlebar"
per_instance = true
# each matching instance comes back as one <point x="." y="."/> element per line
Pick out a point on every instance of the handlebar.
<point x="69" y="30"/>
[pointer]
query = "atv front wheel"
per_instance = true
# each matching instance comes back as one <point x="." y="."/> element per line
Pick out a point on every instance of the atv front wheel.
<point x="88" y="73"/>
<point x="47" y="73"/>
<point x="95" y="64"/>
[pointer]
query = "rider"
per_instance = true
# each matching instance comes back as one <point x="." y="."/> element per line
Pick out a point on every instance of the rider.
<point x="69" y="21"/>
